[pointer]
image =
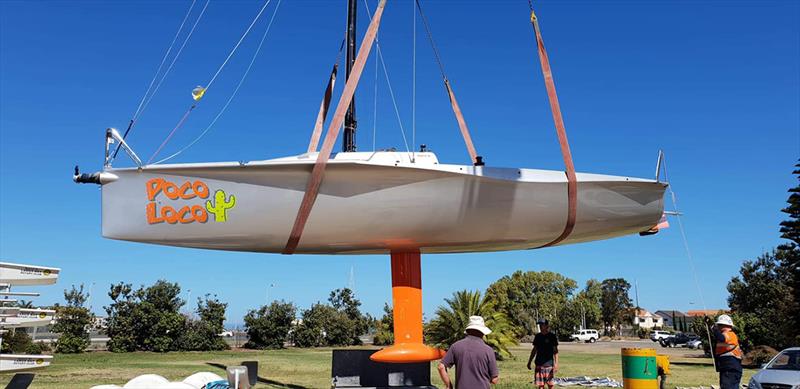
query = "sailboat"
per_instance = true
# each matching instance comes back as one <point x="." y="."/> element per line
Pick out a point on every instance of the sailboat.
<point x="13" y="317"/>
<point x="19" y="274"/>
<point x="350" y="202"/>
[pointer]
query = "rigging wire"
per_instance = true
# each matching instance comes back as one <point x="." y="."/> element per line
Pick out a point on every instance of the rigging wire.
<point x="200" y="91"/>
<point x="688" y="252"/>
<point x="375" y="107"/>
<point x="414" y="80"/>
<point x="430" y="38"/>
<point x="235" y="91"/>
<point x="174" y="59"/>
<point x="208" y="85"/>
<point x="163" y="61"/>
<point x="462" y="123"/>
<point x="389" y="84"/>
<point x="139" y="108"/>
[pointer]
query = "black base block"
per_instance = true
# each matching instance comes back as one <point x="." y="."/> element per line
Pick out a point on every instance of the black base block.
<point x="354" y="369"/>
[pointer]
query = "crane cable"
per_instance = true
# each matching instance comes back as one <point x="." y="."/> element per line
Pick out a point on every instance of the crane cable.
<point x="572" y="182"/>
<point x="462" y="123"/>
<point x="200" y="91"/>
<point x="142" y="104"/>
<point x="233" y="94"/>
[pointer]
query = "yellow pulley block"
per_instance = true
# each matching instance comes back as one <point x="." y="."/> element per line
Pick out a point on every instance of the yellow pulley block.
<point x="198" y="92"/>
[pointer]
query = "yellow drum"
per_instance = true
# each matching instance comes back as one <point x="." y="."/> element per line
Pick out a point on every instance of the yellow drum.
<point x="639" y="368"/>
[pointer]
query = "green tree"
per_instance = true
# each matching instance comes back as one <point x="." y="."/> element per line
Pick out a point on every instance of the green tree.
<point x="384" y="334"/>
<point x="268" y="327"/>
<point x="762" y="297"/>
<point x="583" y="305"/>
<point x="525" y="297"/>
<point x="789" y="255"/>
<point x="204" y="334"/>
<point x="72" y="322"/>
<point x="344" y="301"/>
<point x="323" y="325"/>
<point x="450" y="320"/>
<point x="145" y="319"/>
<point x="615" y="304"/>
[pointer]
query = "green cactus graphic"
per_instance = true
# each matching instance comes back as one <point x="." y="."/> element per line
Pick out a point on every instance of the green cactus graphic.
<point x="220" y="206"/>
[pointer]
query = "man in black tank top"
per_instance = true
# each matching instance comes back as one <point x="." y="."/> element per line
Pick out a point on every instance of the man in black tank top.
<point x="545" y="355"/>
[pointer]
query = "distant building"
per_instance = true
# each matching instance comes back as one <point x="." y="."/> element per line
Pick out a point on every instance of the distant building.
<point x="671" y="316"/>
<point x="645" y="319"/>
<point x="675" y="319"/>
<point x="100" y="323"/>
<point x="705" y="312"/>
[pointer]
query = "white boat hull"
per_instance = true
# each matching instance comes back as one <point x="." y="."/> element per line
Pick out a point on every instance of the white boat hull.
<point x="370" y="203"/>
<point x="17" y="274"/>
<point x="27" y="317"/>
<point x="13" y="362"/>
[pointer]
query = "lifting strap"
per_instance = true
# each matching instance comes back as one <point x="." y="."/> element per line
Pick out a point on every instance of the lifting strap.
<point x="318" y="172"/>
<point x="462" y="123"/>
<point x="323" y="109"/>
<point x="572" y="182"/>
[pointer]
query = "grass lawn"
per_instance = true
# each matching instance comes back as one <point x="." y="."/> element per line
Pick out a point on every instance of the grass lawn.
<point x="310" y="368"/>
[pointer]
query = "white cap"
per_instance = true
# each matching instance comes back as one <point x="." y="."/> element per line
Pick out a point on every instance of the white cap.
<point x="725" y="320"/>
<point x="477" y="323"/>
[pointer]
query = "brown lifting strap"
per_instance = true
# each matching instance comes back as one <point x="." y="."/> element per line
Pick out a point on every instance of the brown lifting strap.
<point x="462" y="124"/>
<point x="323" y="110"/>
<point x="318" y="172"/>
<point x="572" y="182"/>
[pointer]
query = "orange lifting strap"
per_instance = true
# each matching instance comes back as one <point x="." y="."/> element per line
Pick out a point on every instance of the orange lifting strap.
<point x="314" y="182"/>
<point x="572" y="182"/>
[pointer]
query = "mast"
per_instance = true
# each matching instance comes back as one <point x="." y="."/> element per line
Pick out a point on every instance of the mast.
<point x="349" y="140"/>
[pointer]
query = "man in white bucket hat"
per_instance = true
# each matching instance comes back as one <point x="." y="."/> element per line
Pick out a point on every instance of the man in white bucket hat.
<point x="476" y="366"/>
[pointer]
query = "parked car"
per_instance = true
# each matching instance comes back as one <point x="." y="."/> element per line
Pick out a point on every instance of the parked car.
<point x="657" y="335"/>
<point x="783" y="371"/>
<point x="694" y="344"/>
<point x="679" y="339"/>
<point x="590" y="336"/>
<point x="226" y="334"/>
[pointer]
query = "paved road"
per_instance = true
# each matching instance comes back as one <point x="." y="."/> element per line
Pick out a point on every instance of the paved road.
<point x="613" y="347"/>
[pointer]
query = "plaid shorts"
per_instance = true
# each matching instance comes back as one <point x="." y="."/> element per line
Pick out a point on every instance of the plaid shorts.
<point x="543" y="376"/>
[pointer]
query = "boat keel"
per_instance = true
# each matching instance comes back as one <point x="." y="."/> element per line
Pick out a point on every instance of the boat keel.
<point x="407" y="303"/>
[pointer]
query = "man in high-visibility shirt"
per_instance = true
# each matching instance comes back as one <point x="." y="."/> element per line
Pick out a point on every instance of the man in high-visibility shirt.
<point x="727" y="353"/>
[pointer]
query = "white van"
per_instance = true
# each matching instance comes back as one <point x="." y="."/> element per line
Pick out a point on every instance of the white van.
<point x="590" y="336"/>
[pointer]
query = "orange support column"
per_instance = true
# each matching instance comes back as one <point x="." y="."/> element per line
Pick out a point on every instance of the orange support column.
<point x="407" y="303"/>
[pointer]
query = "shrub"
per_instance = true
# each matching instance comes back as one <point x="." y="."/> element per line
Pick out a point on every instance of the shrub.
<point x="72" y="323"/>
<point x="16" y="342"/>
<point x="759" y="356"/>
<point x="37" y="348"/>
<point x="269" y="326"/>
<point x="384" y="335"/>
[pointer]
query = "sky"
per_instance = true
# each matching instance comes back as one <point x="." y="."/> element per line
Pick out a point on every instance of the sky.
<point x="714" y="84"/>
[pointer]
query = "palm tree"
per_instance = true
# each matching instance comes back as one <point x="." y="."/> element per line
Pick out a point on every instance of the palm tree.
<point x="451" y="320"/>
